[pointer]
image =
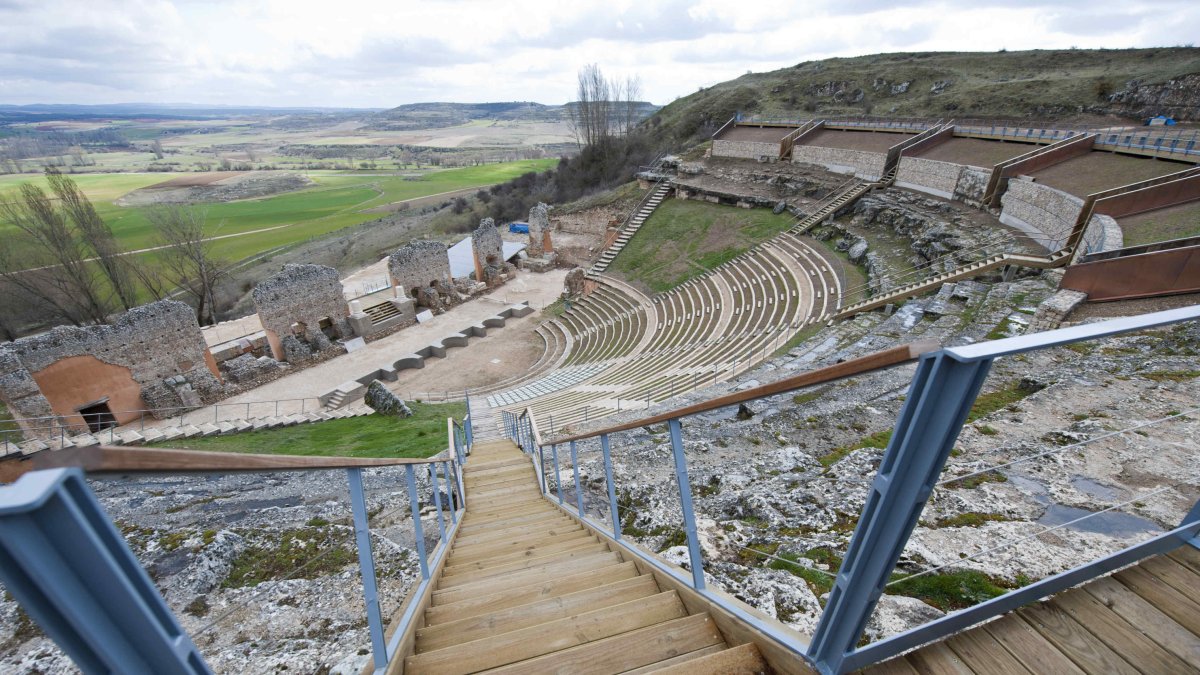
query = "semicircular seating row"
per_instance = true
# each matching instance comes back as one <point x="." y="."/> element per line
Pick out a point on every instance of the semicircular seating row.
<point x="627" y="351"/>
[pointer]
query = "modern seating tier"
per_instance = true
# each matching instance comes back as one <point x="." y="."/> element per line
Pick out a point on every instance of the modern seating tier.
<point x="721" y="322"/>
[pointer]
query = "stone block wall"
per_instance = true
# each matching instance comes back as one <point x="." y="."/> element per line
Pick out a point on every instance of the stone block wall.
<point x="865" y="165"/>
<point x="292" y="306"/>
<point x="1046" y="214"/>
<point x="929" y="176"/>
<point x="419" y="264"/>
<point x="153" y="356"/>
<point x="745" y="149"/>
<point x="488" y="249"/>
<point x="539" y="232"/>
<point x="972" y="185"/>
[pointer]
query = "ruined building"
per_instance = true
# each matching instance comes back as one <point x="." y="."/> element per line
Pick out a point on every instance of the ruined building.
<point x="303" y="310"/>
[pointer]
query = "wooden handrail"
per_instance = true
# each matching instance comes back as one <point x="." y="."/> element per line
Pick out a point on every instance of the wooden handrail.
<point x="864" y="364"/>
<point x="116" y="459"/>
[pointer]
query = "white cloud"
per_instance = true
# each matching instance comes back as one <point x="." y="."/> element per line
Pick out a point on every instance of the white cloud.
<point x="382" y="53"/>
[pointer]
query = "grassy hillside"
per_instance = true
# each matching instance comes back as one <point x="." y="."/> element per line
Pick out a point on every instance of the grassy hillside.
<point x="1042" y="84"/>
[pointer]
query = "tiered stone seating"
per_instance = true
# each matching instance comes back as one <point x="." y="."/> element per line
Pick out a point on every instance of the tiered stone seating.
<point x="719" y="323"/>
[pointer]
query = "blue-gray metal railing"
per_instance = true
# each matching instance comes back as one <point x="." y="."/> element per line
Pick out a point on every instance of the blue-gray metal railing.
<point x="89" y="594"/>
<point x="941" y="395"/>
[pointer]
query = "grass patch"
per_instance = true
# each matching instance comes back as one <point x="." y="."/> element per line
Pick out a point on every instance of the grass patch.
<point x="986" y="430"/>
<point x="422" y="435"/>
<point x="977" y="480"/>
<point x="970" y="519"/>
<point x="818" y="580"/>
<point x="1000" y="331"/>
<point x="986" y="404"/>
<point x="950" y="591"/>
<point x="877" y="440"/>
<point x="809" y="396"/>
<point x="683" y="239"/>
<point x="1171" y="375"/>
<point x="287" y="551"/>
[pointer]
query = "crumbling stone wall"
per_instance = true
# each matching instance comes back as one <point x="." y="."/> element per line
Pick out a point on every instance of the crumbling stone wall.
<point x="574" y="283"/>
<point x="421" y="270"/>
<point x="293" y="305"/>
<point x="488" y="249"/>
<point x="539" y="232"/>
<point x="153" y="356"/>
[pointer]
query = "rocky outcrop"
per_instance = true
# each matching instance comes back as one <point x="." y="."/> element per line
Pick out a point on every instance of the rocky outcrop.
<point x="1178" y="97"/>
<point x="381" y="399"/>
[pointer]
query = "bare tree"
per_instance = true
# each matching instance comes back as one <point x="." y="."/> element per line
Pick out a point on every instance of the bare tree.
<point x="50" y="261"/>
<point x="188" y="261"/>
<point x="605" y="108"/>
<point x="157" y="149"/>
<point x="628" y="103"/>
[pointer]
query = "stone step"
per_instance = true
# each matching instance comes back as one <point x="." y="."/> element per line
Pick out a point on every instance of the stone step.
<point x="208" y="429"/>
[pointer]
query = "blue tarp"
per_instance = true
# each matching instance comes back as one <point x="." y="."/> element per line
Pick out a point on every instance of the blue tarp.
<point x="519" y="228"/>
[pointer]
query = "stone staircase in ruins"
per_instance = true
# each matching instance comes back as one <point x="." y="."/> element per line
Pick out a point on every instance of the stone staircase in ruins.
<point x="528" y="589"/>
<point x="656" y="197"/>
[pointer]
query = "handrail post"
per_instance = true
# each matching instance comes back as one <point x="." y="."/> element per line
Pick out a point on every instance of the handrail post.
<point x="612" y="489"/>
<point x="414" y="506"/>
<point x="557" y="475"/>
<point x="366" y="566"/>
<point x="437" y="501"/>
<point x="462" y="491"/>
<point x="941" y="395"/>
<point x="452" y="492"/>
<point x="542" y="469"/>
<point x="575" y="470"/>
<point x="685" y="502"/>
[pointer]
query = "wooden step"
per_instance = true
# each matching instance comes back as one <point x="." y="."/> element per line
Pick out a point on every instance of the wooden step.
<point x="505" y="501"/>
<point x="497" y="513"/>
<point x="741" y="660"/>
<point x="497" y="490"/>
<point x="517" y="474"/>
<point x="626" y="651"/>
<point x="550" y="637"/>
<point x="594" y="561"/>
<point x="467" y="573"/>
<point x="525" y="536"/>
<point x="471" y="529"/>
<point x="514" y="553"/>
<point x="532" y="614"/>
<point x="488" y="468"/>
<point x="517" y="595"/>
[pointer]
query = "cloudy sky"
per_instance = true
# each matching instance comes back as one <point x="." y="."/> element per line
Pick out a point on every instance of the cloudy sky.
<point x="381" y="53"/>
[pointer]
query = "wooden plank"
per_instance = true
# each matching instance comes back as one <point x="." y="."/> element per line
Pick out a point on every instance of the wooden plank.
<point x="1179" y="577"/>
<point x="984" y="655"/>
<point x="526" y="487"/>
<point x="1188" y="556"/>
<point x="1029" y="647"/>
<point x="1146" y="618"/>
<point x="894" y="666"/>
<point x="1073" y="640"/>
<point x="532" y="575"/>
<point x="690" y="656"/>
<point x="524" y="537"/>
<point x="865" y="364"/>
<point x="518" y="595"/>
<point x="1166" y="598"/>
<point x="626" y="651"/>
<point x="1118" y="634"/>
<point x="471" y="572"/>
<point x="530" y="550"/>
<point x="739" y="660"/>
<point x="937" y="659"/>
<point x="480" y="515"/>
<point x="472" y="529"/>
<point x="546" y="638"/>
<point x="532" y="614"/>
<point x="513" y="501"/>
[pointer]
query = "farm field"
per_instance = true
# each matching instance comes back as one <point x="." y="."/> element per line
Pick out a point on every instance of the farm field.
<point x="335" y="200"/>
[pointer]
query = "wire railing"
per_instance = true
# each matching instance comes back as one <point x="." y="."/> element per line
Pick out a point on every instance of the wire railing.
<point x="940" y="397"/>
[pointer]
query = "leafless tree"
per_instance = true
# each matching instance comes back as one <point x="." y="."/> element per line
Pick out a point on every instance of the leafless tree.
<point x="188" y="260"/>
<point x="157" y="149"/>
<point x="628" y="102"/>
<point x="605" y="108"/>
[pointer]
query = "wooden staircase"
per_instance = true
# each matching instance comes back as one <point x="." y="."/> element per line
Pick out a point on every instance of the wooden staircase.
<point x="847" y="196"/>
<point x="644" y="210"/>
<point x="527" y="589"/>
<point x="381" y="312"/>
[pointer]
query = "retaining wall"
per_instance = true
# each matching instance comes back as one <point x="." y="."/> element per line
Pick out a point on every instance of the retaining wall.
<point x="1046" y="214"/>
<point x="863" y="164"/>
<point x="745" y="149"/>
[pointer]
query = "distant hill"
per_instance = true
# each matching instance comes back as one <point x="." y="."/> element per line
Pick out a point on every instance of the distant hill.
<point x="1057" y="84"/>
<point x="435" y="115"/>
<point x="165" y="111"/>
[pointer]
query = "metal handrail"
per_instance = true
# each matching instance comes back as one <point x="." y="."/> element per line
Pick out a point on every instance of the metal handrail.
<point x="941" y="395"/>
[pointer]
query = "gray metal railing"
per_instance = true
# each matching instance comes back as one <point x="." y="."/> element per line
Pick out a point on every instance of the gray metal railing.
<point x="940" y="397"/>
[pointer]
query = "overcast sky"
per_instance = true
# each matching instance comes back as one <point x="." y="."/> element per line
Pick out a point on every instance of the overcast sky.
<point x="381" y="53"/>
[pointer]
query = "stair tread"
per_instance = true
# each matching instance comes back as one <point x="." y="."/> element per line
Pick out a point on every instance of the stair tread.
<point x="510" y="554"/>
<point x="740" y="660"/>
<point x="487" y="569"/>
<point x="526" y="576"/>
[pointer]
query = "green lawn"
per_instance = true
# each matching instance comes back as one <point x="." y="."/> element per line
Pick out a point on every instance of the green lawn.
<point x="337" y="200"/>
<point x="422" y="435"/>
<point x="683" y="239"/>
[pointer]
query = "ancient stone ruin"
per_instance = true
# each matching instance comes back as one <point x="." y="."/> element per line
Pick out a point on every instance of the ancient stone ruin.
<point x="539" y="252"/>
<point x="152" y="357"/>
<point x="574" y="283"/>
<point x="381" y="399"/>
<point x="488" y="249"/>
<point x="303" y="311"/>
<point x="421" y="270"/>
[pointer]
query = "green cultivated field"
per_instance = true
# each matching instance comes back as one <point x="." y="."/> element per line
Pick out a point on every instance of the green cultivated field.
<point x="336" y="200"/>
<point x="684" y="239"/>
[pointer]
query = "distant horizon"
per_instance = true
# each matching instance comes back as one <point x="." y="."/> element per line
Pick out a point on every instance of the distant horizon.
<point x="377" y="55"/>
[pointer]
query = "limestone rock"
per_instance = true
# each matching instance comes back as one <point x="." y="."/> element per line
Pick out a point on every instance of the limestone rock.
<point x="380" y="399"/>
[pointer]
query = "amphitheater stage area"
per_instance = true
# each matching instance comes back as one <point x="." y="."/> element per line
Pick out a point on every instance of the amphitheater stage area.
<point x="1097" y="171"/>
<point x="975" y="151"/>
<point x="869" y="141"/>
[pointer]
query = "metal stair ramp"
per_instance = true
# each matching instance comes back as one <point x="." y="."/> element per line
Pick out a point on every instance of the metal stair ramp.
<point x="527" y="589"/>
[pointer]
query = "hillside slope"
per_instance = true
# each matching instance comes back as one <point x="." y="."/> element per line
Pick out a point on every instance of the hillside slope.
<point x="1131" y="83"/>
<point x="435" y="115"/>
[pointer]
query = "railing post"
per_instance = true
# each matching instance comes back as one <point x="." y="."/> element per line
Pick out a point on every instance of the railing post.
<point x="452" y="490"/>
<point x="542" y="468"/>
<point x="462" y="491"/>
<point x="557" y="475"/>
<point x="685" y="502"/>
<point x="366" y="567"/>
<point x="575" y="470"/>
<point x="437" y="501"/>
<point x="940" y="397"/>
<point x="613" y="511"/>
<point x="415" y="507"/>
